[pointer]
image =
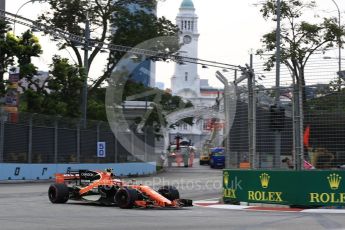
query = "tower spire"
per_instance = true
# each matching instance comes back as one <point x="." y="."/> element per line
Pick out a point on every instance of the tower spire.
<point x="187" y="4"/>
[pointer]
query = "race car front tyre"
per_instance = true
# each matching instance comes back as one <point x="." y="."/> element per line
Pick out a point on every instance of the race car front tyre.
<point x="58" y="193"/>
<point x="169" y="192"/>
<point x="126" y="197"/>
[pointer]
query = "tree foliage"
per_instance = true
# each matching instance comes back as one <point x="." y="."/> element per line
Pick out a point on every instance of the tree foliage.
<point x="27" y="47"/>
<point x="299" y="38"/>
<point x="65" y="85"/>
<point x="332" y="102"/>
<point x="132" y="22"/>
<point x="18" y="51"/>
<point x="134" y="25"/>
<point x="122" y="22"/>
<point x="8" y="44"/>
<point x="59" y="94"/>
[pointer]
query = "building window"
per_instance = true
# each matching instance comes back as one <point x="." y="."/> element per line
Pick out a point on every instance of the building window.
<point x="185" y="24"/>
<point x="186" y="76"/>
<point x="185" y="126"/>
<point x="188" y="25"/>
<point x="181" y="25"/>
<point x="192" y="25"/>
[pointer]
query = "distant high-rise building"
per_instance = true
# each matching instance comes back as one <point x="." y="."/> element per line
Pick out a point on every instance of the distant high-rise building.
<point x="144" y="72"/>
<point x="2" y="4"/>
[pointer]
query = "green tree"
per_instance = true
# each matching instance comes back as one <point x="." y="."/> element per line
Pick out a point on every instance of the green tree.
<point x="8" y="44"/>
<point x="299" y="38"/>
<point x="18" y="51"/>
<point x="335" y="85"/>
<point x="59" y="94"/>
<point x="65" y="85"/>
<point x="333" y="102"/>
<point x="28" y="46"/>
<point x="127" y="26"/>
<point x="96" y="105"/>
<point x="135" y="26"/>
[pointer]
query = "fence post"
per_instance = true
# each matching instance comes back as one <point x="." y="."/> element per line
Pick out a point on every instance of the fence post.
<point x="301" y="122"/>
<point x="115" y="149"/>
<point x="56" y="141"/>
<point x="227" y="129"/>
<point x="30" y="140"/>
<point x="298" y="124"/>
<point x="2" y="138"/>
<point x="78" y="143"/>
<point x="98" y="138"/>
<point x="145" y="145"/>
<point x="251" y="115"/>
<point x="132" y="144"/>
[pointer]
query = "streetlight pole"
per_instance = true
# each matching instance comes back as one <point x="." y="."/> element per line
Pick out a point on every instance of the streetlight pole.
<point x="2" y="122"/>
<point x="251" y="114"/>
<point x="2" y="36"/>
<point x="339" y="38"/>
<point x="30" y="1"/>
<point x="86" y="69"/>
<point x="277" y="134"/>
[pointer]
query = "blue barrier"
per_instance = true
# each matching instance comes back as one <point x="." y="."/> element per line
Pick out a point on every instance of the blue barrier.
<point x="12" y="171"/>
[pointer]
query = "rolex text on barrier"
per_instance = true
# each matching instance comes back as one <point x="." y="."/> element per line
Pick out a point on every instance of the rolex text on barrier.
<point x="309" y="188"/>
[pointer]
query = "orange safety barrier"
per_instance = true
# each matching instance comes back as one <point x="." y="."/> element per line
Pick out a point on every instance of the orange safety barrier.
<point x="244" y="165"/>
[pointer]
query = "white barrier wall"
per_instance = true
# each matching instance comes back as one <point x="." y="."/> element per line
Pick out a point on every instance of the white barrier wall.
<point x="47" y="171"/>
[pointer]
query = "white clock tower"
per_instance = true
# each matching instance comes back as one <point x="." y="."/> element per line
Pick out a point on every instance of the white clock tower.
<point x="186" y="82"/>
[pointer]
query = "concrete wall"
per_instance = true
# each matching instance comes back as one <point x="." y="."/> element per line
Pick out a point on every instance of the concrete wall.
<point x="47" y="171"/>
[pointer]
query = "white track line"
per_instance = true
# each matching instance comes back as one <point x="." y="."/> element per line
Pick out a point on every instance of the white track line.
<point x="211" y="203"/>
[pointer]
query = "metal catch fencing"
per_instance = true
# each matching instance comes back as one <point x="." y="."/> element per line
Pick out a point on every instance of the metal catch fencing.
<point x="36" y="138"/>
<point x="304" y="130"/>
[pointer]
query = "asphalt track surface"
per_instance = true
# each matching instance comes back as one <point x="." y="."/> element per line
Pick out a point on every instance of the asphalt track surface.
<point x="26" y="206"/>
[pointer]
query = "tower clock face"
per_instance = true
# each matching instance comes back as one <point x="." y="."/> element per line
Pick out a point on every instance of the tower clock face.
<point x="187" y="39"/>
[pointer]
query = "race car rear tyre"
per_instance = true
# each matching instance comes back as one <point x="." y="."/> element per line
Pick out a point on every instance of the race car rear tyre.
<point x="126" y="197"/>
<point x="169" y="192"/>
<point x="58" y="193"/>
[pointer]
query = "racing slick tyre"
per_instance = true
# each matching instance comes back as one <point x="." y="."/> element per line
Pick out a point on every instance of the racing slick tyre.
<point x="58" y="193"/>
<point x="169" y="192"/>
<point x="126" y="197"/>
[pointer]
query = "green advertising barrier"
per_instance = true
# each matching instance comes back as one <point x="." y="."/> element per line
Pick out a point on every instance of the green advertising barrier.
<point x="307" y="188"/>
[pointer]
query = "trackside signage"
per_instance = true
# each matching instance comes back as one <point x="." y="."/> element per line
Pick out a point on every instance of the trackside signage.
<point x="101" y="149"/>
<point x="325" y="188"/>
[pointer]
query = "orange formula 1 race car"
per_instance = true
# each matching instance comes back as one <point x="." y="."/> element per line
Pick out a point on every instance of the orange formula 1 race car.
<point x="102" y="187"/>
